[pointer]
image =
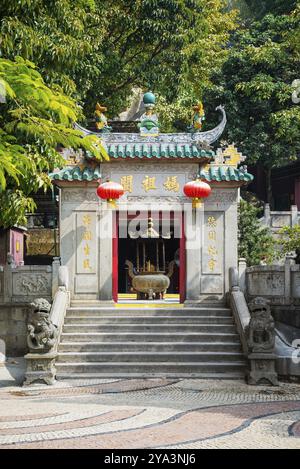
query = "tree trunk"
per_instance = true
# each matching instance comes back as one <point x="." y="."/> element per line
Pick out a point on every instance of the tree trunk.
<point x="269" y="187"/>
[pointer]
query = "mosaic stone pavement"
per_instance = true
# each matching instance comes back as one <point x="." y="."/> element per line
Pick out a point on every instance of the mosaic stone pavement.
<point x="152" y="413"/>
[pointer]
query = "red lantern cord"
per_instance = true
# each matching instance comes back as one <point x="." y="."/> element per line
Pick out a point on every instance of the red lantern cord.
<point x="197" y="190"/>
<point x="110" y="191"/>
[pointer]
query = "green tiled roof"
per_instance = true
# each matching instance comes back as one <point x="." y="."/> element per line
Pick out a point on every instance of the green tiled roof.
<point x="225" y="173"/>
<point x="214" y="173"/>
<point x="159" y="150"/>
<point x="76" y="174"/>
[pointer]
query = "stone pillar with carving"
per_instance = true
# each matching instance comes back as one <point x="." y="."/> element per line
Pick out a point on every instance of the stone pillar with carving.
<point x="41" y="339"/>
<point x="261" y="344"/>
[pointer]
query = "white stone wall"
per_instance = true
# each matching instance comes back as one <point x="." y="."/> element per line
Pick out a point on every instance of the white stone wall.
<point x="210" y="252"/>
<point x="208" y="262"/>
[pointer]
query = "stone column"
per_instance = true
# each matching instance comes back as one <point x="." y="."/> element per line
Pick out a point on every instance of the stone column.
<point x="7" y="283"/>
<point x="193" y="222"/>
<point x="105" y="253"/>
<point x="230" y="240"/>
<point x="55" y="268"/>
<point x="267" y="215"/>
<point x="294" y="212"/>
<point x="242" y="274"/>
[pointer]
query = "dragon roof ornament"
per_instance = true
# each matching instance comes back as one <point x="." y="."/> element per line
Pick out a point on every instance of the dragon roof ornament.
<point x="203" y="138"/>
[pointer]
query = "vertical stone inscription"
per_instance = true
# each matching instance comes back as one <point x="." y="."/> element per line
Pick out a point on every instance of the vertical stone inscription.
<point x="212" y="259"/>
<point x="86" y="243"/>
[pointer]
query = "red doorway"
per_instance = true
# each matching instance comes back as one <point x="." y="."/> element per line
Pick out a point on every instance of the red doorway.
<point x="116" y="252"/>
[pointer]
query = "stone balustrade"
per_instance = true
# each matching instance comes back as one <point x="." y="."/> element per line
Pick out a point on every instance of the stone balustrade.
<point x="40" y="361"/>
<point x="275" y="220"/>
<point x="19" y="286"/>
<point x="280" y="284"/>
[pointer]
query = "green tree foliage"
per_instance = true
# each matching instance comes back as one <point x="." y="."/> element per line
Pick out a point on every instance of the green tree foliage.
<point x="241" y="6"/>
<point x="203" y="55"/>
<point x="156" y="44"/>
<point x="289" y="240"/>
<point x="256" y="244"/>
<point x="257" y="9"/>
<point x="260" y="8"/>
<point x="63" y="38"/>
<point x="255" y="84"/>
<point x="99" y="50"/>
<point x="35" y="120"/>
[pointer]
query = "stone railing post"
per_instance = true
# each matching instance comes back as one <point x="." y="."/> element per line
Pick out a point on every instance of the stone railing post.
<point x="233" y="279"/>
<point x="44" y="331"/>
<point x="289" y="261"/>
<point x="267" y="215"/>
<point x="1" y="283"/>
<point x="261" y="344"/>
<point x="7" y="281"/>
<point x="242" y="273"/>
<point x="55" y="269"/>
<point x="294" y="217"/>
<point x="238" y="307"/>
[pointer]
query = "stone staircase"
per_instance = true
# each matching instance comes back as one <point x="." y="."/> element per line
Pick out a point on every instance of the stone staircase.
<point x="149" y="342"/>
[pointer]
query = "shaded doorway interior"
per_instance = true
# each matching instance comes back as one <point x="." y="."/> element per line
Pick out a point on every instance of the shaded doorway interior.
<point x="159" y="254"/>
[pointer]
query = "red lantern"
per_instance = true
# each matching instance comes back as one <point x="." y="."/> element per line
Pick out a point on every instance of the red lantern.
<point x="110" y="191"/>
<point x="197" y="190"/>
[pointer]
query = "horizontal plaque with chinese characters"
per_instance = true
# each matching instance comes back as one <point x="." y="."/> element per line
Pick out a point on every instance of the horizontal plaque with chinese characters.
<point x="151" y="184"/>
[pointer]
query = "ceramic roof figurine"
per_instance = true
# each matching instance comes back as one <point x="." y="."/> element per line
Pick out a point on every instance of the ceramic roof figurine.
<point x="100" y="119"/>
<point x="149" y="125"/>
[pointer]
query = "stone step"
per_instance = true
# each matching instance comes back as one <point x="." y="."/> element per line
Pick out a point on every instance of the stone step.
<point x="126" y="320"/>
<point x="150" y="346"/>
<point x="232" y="375"/>
<point x="149" y="341"/>
<point x="149" y="337"/>
<point x="145" y="357"/>
<point x="149" y="328"/>
<point x="145" y="310"/>
<point x="149" y="368"/>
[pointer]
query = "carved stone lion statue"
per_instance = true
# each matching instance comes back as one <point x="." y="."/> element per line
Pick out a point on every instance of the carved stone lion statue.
<point x="261" y="329"/>
<point x="42" y="333"/>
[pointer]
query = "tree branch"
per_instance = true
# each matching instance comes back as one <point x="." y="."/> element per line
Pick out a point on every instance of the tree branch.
<point x="156" y="52"/>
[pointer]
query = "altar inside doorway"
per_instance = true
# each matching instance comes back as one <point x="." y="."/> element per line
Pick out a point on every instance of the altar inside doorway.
<point x="148" y="260"/>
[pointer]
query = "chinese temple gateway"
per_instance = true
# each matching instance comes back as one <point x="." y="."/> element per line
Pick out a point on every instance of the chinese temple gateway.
<point x="148" y="238"/>
<point x="105" y="248"/>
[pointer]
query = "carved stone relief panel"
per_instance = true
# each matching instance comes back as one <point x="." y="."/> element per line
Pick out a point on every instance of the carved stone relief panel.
<point x="278" y="221"/>
<point x="31" y="284"/>
<point x="212" y="284"/>
<point x="79" y="195"/>
<point x="221" y="197"/>
<point x="265" y="284"/>
<point x="296" y="284"/>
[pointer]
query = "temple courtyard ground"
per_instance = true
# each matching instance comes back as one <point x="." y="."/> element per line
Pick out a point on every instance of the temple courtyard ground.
<point x="146" y="413"/>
